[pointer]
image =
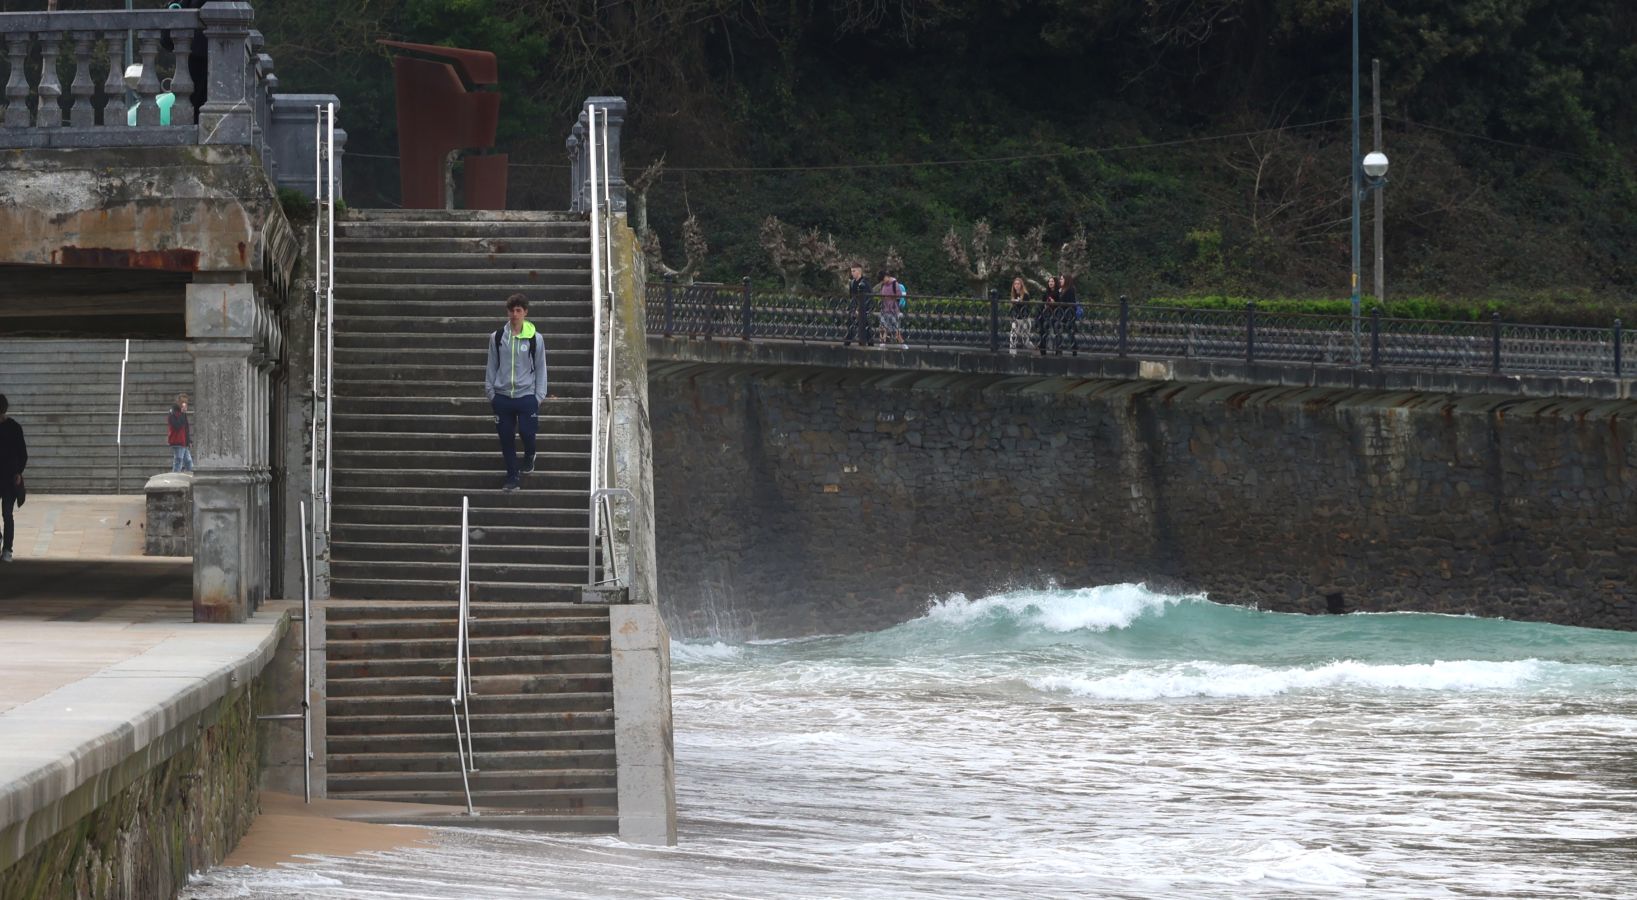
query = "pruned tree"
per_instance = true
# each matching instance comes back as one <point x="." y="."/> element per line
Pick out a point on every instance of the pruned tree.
<point x="977" y="259"/>
<point x="793" y="254"/>
<point x="637" y="189"/>
<point x="694" y="251"/>
<point x="1074" y="257"/>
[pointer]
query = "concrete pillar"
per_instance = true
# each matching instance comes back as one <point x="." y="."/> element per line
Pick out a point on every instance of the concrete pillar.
<point x="228" y="116"/>
<point x="230" y="508"/>
<point x="642" y="724"/>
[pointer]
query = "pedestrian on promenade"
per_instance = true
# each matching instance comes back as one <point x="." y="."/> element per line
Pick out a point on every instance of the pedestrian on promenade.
<point x="1046" y="317"/>
<point x="13" y="460"/>
<point x="1068" y="315"/>
<point x="887" y="292"/>
<point x="1020" y="316"/>
<point x="516" y="386"/>
<point x="180" y="436"/>
<point x="858" y="308"/>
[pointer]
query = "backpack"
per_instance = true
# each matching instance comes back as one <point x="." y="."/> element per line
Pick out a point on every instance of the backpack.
<point x="531" y="343"/>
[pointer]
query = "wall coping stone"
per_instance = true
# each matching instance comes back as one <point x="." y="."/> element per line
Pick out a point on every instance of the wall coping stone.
<point x="82" y="734"/>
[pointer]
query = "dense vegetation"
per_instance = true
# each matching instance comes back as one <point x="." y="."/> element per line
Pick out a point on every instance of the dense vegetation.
<point x="1200" y="145"/>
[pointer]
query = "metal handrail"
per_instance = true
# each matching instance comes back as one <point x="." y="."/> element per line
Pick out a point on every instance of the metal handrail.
<point x="306" y="714"/>
<point x="329" y="314"/>
<point x="600" y="496"/>
<point x="601" y="521"/>
<point x="119" y="426"/>
<point x="465" y="749"/>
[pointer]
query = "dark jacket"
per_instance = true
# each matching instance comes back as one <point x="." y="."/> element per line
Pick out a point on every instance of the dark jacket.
<point x="859" y="286"/>
<point x="1069" y="304"/>
<point x="13" y="454"/>
<point x="1020" y="307"/>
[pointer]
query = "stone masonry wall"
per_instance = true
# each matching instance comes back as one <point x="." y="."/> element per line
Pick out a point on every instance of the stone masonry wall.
<point x="183" y="816"/>
<point x="807" y="501"/>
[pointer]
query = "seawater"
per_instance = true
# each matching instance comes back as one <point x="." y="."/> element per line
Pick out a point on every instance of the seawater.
<point x="1106" y="742"/>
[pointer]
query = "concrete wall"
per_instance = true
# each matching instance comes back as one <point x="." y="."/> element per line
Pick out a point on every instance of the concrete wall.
<point x="800" y="500"/>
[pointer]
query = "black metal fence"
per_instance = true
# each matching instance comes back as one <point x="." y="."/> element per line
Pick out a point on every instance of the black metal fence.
<point x="1128" y="329"/>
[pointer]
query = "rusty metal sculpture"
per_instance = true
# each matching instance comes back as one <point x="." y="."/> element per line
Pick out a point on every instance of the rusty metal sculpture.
<point x="438" y="116"/>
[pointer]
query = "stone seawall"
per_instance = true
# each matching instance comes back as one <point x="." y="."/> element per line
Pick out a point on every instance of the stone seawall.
<point x="182" y="816"/>
<point x="804" y="500"/>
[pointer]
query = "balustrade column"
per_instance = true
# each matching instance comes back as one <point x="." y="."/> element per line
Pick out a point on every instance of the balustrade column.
<point x="113" y="90"/>
<point x="17" y="85"/>
<point x="83" y="114"/>
<point x="182" y="111"/>
<point x="148" y="87"/>
<point x="50" y="90"/>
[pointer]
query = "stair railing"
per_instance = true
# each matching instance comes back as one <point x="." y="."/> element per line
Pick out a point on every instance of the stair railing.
<point x="329" y="312"/>
<point x="306" y="714"/>
<point x="601" y="524"/>
<point x="119" y="426"/>
<point x="465" y="749"/>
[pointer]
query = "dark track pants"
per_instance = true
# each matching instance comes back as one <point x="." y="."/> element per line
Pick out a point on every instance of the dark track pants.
<point x="7" y="501"/>
<point x="514" y="414"/>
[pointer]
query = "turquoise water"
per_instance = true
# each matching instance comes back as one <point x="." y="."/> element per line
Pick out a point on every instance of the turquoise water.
<point x="1107" y="742"/>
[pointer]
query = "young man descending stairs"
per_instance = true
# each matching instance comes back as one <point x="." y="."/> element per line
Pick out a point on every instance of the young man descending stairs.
<point x="516" y="386"/>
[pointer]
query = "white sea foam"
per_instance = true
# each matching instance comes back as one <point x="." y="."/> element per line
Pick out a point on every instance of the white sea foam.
<point x="682" y="651"/>
<point x="1203" y="679"/>
<point x="1091" y="609"/>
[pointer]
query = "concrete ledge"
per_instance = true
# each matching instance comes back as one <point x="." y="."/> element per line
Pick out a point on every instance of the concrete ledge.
<point x="643" y="741"/>
<point x="680" y="357"/>
<point x="66" y="753"/>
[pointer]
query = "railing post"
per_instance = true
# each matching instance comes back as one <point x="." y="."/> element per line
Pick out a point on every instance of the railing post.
<point x="710" y="313"/>
<point x="670" y="304"/>
<point x="1250" y="332"/>
<point x="994" y="320"/>
<point x="1375" y="338"/>
<point x="50" y="89"/>
<point x="1495" y="340"/>
<point x="1125" y="322"/>
<point x="1619" y="344"/>
<point x="744" y="333"/>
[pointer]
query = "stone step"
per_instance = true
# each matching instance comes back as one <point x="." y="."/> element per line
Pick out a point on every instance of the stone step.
<point x="468" y="372"/>
<point x="439" y="704"/>
<point x="548" y="304"/>
<point x="503" y="623"/>
<point x="493" y="260"/>
<point x="556" y="425"/>
<point x="567" y="680"/>
<point x="593" y="803"/>
<point x="565" y="554"/>
<point x="463" y="461"/>
<point x="494" y="294"/>
<point x="449" y="341"/>
<point x="442" y="664"/>
<point x="505" y="741"/>
<point x="490" y="761"/>
<point x="482" y="724"/>
<point x="494" y="573"/>
<point x="505" y="820"/>
<point x="390" y="644"/>
<point x="481" y="517"/>
<point x="487" y="536"/>
<point x="510" y="278"/>
<point x="461" y="249"/>
<point x="410" y="612"/>
<point x="438" y="501"/>
<point x="542" y="478"/>
<point x="398" y="589"/>
<point x="412" y="228"/>
<point x="390" y="214"/>
<point x="439" y="390"/>
<point x="475" y="355"/>
<point x="349" y="403"/>
<point x="369" y="319"/>
<point x="544" y="780"/>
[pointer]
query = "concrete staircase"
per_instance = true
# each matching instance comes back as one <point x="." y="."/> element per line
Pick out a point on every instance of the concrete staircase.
<point x="418" y="294"/>
<point x="65" y="393"/>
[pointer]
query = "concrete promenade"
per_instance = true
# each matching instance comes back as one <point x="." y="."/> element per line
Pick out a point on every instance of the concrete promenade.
<point x="101" y="665"/>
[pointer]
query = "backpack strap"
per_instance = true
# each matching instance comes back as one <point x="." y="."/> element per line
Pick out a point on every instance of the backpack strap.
<point x="531" y="342"/>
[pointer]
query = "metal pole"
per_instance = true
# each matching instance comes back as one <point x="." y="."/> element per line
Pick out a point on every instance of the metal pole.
<point x="1376" y="243"/>
<point x="1357" y="186"/>
<point x="306" y="662"/>
<point x="329" y="317"/>
<point x="744" y="329"/>
<point x="994" y="320"/>
<point x="119" y="427"/>
<point x="1619" y="337"/>
<point x="596" y="308"/>
<point x="318" y="291"/>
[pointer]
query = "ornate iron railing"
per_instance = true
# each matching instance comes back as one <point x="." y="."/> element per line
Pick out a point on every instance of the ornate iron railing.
<point x="740" y="312"/>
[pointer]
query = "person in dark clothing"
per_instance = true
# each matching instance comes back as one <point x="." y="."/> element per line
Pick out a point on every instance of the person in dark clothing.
<point x="1068" y="315"/>
<point x="13" y="460"/>
<point x="1046" y="319"/>
<point x="180" y="436"/>
<point x="1020" y="317"/>
<point x="858" y="308"/>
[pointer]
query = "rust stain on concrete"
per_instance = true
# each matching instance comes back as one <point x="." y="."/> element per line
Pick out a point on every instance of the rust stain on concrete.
<point x="177" y="260"/>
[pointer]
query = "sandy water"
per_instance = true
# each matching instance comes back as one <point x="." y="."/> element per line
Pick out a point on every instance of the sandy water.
<point x="1106" y="742"/>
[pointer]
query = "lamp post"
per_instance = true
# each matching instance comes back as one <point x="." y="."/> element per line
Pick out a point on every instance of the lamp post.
<point x="1369" y="173"/>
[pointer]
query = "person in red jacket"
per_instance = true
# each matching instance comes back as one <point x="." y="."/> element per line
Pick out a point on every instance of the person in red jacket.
<point x="181" y="436"/>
